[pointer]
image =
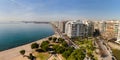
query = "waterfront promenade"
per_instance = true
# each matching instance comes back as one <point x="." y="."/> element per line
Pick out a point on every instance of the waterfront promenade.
<point x="13" y="54"/>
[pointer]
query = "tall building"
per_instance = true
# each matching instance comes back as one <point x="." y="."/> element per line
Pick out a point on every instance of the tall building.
<point x="90" y="28"/>
<point x="76" y="28"/>
<point x="62" y="26"/>
<point x="118" y="35"/>
<point x="100" y="25"/>
<point x="111" y="29"/>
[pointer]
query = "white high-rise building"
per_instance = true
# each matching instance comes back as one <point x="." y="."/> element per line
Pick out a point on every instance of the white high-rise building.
<point x="76" y="28"/>
<point x="118" y="35"/>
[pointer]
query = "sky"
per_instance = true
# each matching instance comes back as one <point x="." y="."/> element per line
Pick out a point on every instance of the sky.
<point x="45" y="10"/>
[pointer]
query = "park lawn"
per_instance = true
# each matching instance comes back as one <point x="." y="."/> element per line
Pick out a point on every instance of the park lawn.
<point x="84" y="43"/>
<point x="116" y="53"/>
<point x="42" y="56"/>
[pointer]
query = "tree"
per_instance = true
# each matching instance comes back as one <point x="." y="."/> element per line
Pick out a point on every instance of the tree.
<point x="66" y="54"/>
<point x="60" y="40"/>
<point x="22" y="52"/>
<point x="45" y="45"/>
<point x="31" y="57"/>
<point x="58" y="49"/>
<point x="35" y="46"/>
<point x="89" y="53"/>
<point x="55" y="47"/>
<point x="50" y="38"/>
<point x="64" y="44"/>
<point x="54" y="39"/>
<point x="96" y="33"/>
<point x="71" y="49"/>
<point x="77" y="55"/>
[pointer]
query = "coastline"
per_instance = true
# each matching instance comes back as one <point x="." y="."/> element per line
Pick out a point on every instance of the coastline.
<point x="13" y="53"/>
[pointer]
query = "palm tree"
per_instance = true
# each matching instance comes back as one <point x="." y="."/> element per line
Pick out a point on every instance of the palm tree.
<point x="31" y="57"/>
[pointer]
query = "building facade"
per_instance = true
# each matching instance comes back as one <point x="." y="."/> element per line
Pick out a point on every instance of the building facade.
<point x="118" y="35"/>
<point x="109" y="29"/>
<point x="76" y="28"/>
<point x="90" y="28"/>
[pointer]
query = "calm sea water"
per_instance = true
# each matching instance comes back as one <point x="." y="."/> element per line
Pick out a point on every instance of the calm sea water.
<point x="13" y="35"/>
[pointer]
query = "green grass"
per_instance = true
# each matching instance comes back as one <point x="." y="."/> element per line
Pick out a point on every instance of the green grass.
<point x="42" y="56"/>
<point x="116" y="53"/>
<point x="64" y="58"/>
<point x="85" y="43"/>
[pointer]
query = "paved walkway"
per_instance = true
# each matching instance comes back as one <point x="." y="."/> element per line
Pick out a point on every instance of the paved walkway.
<point x="114" y="46"/>
<point x="54" y="57"/>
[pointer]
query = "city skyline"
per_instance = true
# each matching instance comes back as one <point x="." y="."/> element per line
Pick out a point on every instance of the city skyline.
<point x="58" y="9"/>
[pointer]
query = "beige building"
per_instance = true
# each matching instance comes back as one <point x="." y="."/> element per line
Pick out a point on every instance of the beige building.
<point x="111" y="29"/>
<point x="108" y="29"/>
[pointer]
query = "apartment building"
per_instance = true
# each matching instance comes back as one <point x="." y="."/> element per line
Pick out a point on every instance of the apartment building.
<point x="76" y="28"/>
<point x="109" y="29"/>
<point x="118" y="34"/>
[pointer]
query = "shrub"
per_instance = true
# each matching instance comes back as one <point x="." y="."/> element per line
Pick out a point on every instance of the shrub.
<point x="60" y="40"/>
<point x="50" y="38"/>
<point x="31" y="57"/>
<point x="44" y="43"/>
<point x="45" y="47"/>
<point x="66" y="54"/>
<point x="22" y="52"/>
<point x="64" y="44"/>
<point x="35" y="46"/>
<point x="54" y="39"/>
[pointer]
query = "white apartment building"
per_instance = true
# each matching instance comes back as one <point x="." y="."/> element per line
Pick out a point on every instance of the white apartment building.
<point x="118" y="35"/>
<point x="76" y="28"/>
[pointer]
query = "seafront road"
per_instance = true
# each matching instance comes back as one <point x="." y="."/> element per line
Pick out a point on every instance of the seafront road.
<point x="106" y="53"/>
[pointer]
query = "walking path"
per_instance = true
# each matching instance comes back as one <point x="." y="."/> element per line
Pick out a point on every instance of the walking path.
<point x="114" y="46"/>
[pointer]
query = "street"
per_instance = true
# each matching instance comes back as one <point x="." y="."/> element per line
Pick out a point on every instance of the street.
<point x="105" y="52"/>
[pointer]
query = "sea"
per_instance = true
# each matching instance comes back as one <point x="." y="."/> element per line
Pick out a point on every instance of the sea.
<point x="17" y="34"/>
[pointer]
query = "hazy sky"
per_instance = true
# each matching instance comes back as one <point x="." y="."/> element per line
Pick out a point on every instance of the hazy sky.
<point x="58" y="9"/>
